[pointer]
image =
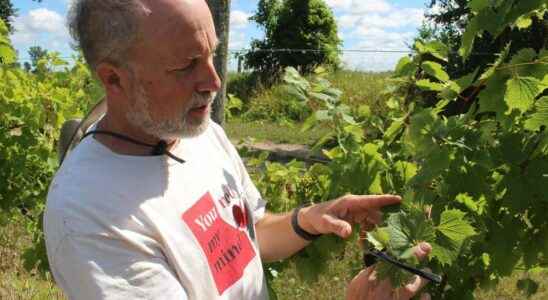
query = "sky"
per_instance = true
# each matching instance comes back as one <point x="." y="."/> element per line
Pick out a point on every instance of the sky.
<point x="363" y="25"/>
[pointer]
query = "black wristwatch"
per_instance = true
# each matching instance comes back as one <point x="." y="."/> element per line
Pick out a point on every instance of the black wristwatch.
<point x="298" y="229"/>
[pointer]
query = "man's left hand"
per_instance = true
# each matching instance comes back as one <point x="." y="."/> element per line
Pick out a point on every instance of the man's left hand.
<point x="337" y="216"/>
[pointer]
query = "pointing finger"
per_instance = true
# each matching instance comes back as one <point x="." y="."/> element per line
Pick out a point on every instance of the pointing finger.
<point x="371" y="201"/>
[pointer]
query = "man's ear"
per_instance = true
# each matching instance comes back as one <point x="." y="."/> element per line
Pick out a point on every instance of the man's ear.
<point x="116" y="80"/>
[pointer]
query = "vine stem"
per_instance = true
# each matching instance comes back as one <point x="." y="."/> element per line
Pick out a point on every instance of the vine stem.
<point x="538" y="62"/>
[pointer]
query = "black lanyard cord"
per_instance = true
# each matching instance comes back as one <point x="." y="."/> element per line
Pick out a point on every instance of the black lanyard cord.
<point x="158" y="149"/>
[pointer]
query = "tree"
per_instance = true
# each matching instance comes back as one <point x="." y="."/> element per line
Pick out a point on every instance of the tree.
<point x="36" y="53"/>
<point x="6" y="12"/>
<point x="294" y="25"/>
<point x="453" y="18"/>
<point x="220" y="10"/>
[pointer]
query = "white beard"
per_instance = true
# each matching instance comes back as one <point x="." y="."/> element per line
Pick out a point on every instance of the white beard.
<point x="168" y="129"/>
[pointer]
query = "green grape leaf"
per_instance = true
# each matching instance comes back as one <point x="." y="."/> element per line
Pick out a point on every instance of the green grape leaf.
<point x="427" y="85"/>
<point x="436" y="48"/>
<point x="445" y="251"/>
<point x="418" y="136"/>
<point x="468" y="38"/>
<point x="397" y="276"/>
<point x="454" y="226"/>
<point x="405" y="67"/>
<point x="399" y="238"/>
<point x="492" y="97"/>
<point x="407" y="229"/>
<point x="435" y="70"/>
<point x="524" y="22"/>
<point x="394" y="129"/>
<point x="405" y="170"/>
<point x="478" y="5"/>
<point x="521" y="93"/>
<point x="477" y="207"/>
<point x="525" y="64"/>
<point x="379" y="238"/>
<point x="434" y="165"/>
<point x="540" y="117"/>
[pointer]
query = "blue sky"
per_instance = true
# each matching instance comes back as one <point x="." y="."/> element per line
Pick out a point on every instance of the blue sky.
<point x="363" y="24"/>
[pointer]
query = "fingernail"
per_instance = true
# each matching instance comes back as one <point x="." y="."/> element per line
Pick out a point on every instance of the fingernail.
<point x="425" y="247"/>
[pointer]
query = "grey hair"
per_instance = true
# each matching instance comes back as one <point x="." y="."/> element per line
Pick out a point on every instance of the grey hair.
<point x="105" y="29"/>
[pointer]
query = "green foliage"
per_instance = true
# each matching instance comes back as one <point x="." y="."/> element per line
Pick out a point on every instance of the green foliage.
<point x="7" y="53"/>
<point x="36" y="53"/>
<point x="33" y="108"/>
<point x="294" y="24"/>
<point x="474" y="184"/>
<point x="233" y="105"/>
<point x="275" y="104"/>
<point x="6" y="12"/>
<point x="479" y="29"/>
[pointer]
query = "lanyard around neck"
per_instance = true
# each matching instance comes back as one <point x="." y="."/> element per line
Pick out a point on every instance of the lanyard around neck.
<point x="158" y="149"/>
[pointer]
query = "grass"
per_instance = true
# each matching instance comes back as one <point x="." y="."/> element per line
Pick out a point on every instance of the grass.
<point x="361" y="88"/>
<point x="280" y="133"/>
<point x="275" y="104"/>
<point x="15" y="281"/>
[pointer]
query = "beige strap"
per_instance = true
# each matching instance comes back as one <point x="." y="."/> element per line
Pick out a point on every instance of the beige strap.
<point x="75" y="129"/>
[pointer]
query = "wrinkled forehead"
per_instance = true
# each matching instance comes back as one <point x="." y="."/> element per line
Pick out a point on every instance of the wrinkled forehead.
<point x="178" y="26"/>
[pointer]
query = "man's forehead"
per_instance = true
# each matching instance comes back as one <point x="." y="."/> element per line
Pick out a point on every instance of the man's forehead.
<point x="183" y="26"/>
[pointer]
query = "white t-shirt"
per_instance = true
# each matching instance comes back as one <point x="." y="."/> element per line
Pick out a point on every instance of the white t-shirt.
<point x="148" y="227"/>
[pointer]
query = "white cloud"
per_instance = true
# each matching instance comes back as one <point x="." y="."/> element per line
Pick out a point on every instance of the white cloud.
<point x="42" y="27"/>
<point x="239" y="18"/>
<point x="347" y="21"/>
<point x="360" y="6"/>
<point x="339" y="4"/>
<point x="366" y="6"/>
<point x="379" y="39"/>
<point x="398" y="18"/>
<point x="375" y="25"/>
<point x="238" y="40"/>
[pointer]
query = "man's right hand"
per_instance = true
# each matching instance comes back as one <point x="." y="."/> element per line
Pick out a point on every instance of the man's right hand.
<point x="365" y="285"/>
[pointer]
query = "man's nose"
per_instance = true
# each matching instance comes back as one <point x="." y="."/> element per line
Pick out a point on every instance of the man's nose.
<point x="210" y="81"/>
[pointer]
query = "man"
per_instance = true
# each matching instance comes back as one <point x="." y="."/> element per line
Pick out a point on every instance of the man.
<point x="185" y="221"/>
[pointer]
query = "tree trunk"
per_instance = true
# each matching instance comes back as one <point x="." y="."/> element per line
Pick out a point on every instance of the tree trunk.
<point x="220" y="9"/>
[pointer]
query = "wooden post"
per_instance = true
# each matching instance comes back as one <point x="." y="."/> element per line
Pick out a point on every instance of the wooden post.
<point x="220" y="9"/>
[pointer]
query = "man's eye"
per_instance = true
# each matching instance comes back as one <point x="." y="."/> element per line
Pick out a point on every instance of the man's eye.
<point x="189" y="67"/>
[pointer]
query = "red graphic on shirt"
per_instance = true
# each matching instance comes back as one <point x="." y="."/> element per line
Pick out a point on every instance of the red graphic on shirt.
<point x="228" y="250"/>
<point x="239" y="216"/>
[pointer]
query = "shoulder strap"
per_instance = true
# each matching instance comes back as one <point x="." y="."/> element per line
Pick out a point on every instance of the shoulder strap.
<point x="76" y="129"/>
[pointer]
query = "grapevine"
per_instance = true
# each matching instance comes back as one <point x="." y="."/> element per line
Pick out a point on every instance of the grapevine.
<point x="474" y="185"/>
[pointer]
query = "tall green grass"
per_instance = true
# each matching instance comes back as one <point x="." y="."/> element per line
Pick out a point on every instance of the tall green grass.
<point x="276" y="105"/>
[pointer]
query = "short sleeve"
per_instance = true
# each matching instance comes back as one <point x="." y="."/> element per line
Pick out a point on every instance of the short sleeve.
<point x="98" y="267"/>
